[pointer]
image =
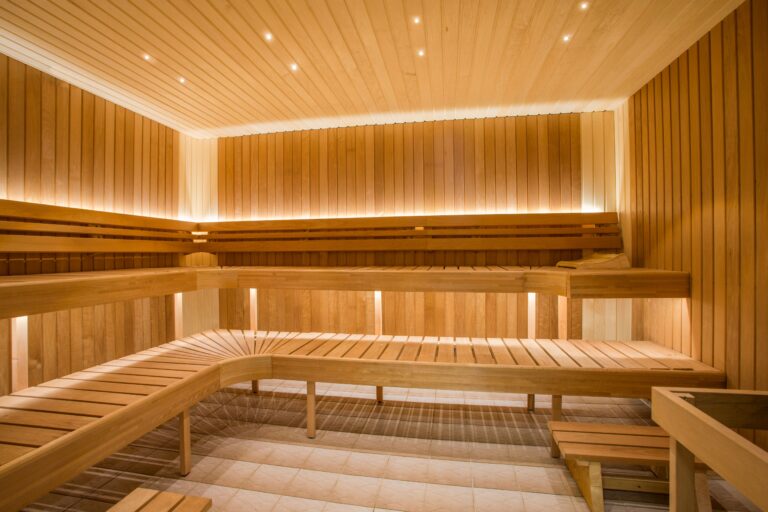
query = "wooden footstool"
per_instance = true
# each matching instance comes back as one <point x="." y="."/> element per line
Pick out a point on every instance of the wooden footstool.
<point x="150" y="500"/>
<point x="586" y="446"/>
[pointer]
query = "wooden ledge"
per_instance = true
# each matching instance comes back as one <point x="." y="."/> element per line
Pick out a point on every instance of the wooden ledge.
<point x="25" y="295"/>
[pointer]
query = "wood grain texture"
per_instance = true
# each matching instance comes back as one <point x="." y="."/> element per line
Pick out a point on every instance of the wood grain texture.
<point x="358" y="62"/>
<point x="718" y="112"/>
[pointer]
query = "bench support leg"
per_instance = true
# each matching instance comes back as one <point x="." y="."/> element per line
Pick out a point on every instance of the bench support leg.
<point x="311" y="410"/>
<point x="682" y="480"/>
<point x="531" y="403"/>
<point x="590" y="481"/>
<point x="380" y="394"/>
<point x="557" y="413"/>
<point x="255" y="387"/>
<point x="185" y="444"/>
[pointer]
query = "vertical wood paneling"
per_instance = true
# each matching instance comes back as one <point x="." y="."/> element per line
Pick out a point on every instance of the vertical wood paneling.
<point x="462" y="166"/>
<point x="717" y="97"/>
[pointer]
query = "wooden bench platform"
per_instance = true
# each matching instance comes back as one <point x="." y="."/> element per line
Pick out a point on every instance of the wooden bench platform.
<point x="85" y="416"/>
<point x="32" y="294"/>
<point x="150" y="500"/>
<point x="587" y="446"/>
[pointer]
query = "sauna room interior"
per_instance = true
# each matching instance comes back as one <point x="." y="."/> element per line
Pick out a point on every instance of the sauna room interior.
<point x="383" y="255"/>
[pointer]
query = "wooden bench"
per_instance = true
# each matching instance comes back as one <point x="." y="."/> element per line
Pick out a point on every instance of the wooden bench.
<point x="41" y="293"/>
<point x="150" y="500"/>
<point x="586" y="447"/>
<point x="52" y="432"/>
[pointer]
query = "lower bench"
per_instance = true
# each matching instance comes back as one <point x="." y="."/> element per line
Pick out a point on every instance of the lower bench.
<point x="52" y="432"/>
<point x="150" y="500"/>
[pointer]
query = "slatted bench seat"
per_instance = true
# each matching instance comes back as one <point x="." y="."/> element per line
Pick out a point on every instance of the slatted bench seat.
<point x="92" y="413"/>
<point x="31" y="294"/>
<point x="150" y="500"/>
<point x="586" y="447"/>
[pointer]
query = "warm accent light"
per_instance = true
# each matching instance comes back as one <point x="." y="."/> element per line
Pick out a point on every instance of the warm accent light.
<point x="416" y="20"/>
<point x="421" y="52"/>
<point x="566" y="38"/>
<point x="268" y="36"/>
<point x="584" y="6"/>
<point x="147" y="57"/>
<point x="294" y="67"/>
<point x="182" y="80"/>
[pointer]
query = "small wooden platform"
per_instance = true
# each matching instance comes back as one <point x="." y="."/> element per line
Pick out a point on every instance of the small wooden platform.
<point x="150" y="500"/>
<point x="587" y="446"/>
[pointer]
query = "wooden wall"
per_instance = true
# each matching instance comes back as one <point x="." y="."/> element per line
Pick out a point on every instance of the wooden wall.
<point x="530" y="163"/>
<point x="698" y="201"/>
<point x="62" y="145"/>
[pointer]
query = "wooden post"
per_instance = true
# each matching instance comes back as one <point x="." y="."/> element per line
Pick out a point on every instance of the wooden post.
<point x="255" y="387"/>
<point x="185" y="444"/>
<point x="380" y="394"/>
<point x="557" y="412"/>
<point x="531" y="403"/>
<point x="310" y="410"/>
<point x="569" y="313"/>
<point x="682" y="478"/>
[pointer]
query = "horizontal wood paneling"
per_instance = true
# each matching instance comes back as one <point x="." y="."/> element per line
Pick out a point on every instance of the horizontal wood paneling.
<point x="698" y="176"/>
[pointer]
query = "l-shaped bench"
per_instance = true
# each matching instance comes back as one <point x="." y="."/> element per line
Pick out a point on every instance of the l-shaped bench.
<point x="52" y="432"/>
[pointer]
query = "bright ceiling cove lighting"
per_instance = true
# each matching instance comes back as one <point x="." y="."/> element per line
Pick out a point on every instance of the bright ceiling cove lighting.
<point x="294" y="67"/>
<point x="566" y="38"/>
<point x="416" y="20"/>
<point x="182" y="80"/>
<point x="584" y="6"/>
<point x="421" y="52"/>
<point x="146" y="57"/>
<point x="268" y="36"/>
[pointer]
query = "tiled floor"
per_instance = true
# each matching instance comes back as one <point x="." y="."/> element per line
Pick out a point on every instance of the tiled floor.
<point x="419" y="451"/>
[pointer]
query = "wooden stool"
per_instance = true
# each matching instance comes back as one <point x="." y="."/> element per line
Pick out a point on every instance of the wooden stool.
<point x="586" y="446"/>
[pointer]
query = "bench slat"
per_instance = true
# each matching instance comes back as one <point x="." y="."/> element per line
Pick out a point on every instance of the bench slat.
<point x="612" y="439"/>
<point x="605" y="428"/>
<point x="617" y="454"/>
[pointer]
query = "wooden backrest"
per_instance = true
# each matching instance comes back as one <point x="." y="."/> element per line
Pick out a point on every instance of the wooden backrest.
<point x="31" y="227"/>
<point x="538" y="231"/>
<point x="37" y="228"/>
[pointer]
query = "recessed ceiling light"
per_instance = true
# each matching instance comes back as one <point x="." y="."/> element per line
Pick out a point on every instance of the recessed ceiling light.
<point x="584" y="6"/>
<point x="268" y="36"/>
<point x="566" y="38"/>
<point x="146" y="57"/>
<point x="421" y="52"/>
<point x="416" y="20"/>
<point x="294" y="67"/>
<point x="182" y="80"/>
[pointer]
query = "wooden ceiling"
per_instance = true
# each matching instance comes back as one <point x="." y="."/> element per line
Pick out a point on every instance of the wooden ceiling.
<point x="358" y="60"/>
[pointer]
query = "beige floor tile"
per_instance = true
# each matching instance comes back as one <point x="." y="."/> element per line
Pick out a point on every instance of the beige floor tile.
<point x="413" y="469"/>
<point x="495" y="500"/>
<point x="340" y="507"/>
<point x="447" y="498"/>
<point x="252" y="501"/>
<point x="231" y="473"/>
<point x="494" y="476"/>
<point x="356" y="490"/>
<point x="322" y="459"/>
<point x="449" y="472"/>
<point x="270" y="479"/>
<point x="316" y="485"/>
<point x="399" y="495"/>
<point x="293" y="504"/>
<point x="540" y="502"/>
<point x="366" y="464"/>
<point x="541" y="480"/>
